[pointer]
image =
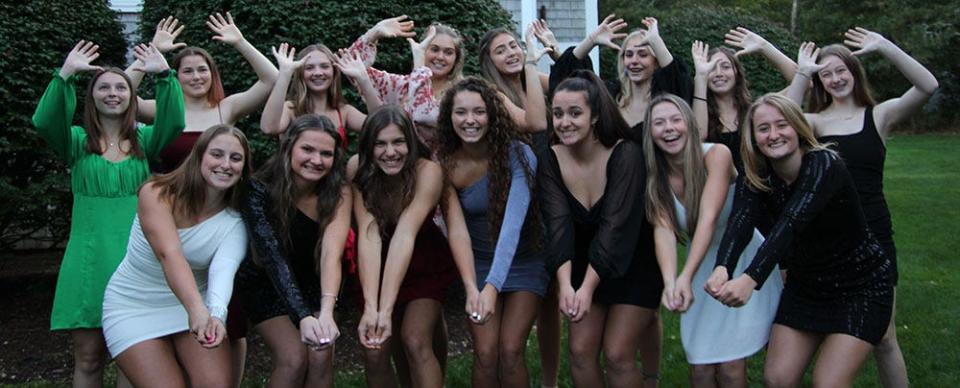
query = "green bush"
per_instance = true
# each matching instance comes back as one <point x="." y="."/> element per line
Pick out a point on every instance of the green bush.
<point x="680" y="26"/>
<point x="334" y="23"/>
<point x="35" y="37"/>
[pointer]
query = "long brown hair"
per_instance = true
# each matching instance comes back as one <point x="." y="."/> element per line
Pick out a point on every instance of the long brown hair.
<point x="609" y="126"/>
<point x="755" y="164"/>
<point x="215" y="94"/>
<point x="383" y="199"/>
<point x="502" y="138"/>
<point x="741" y="95"/>
<point x="185" y="187"/>
<point x="659" y="203"/>
<point x="277" y="176"/>
<point x="820" y="99"/>
<point x="128" y="125"/>
<point x="490" y="72"/>
<point x="300" y="95"/>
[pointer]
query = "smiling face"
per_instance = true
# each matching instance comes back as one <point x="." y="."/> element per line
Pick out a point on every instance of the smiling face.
<point x="639" y="63"/>
<point x="223" y="162"/>
<point x="506" y="54"/>
<point x="572" y="118"/>
<point x="441" y="55"/>
<point x="724" y="76"/>
<point x="312" y="155"/>
<point x="111" y="94"/>
<point x="318" y="71"/>
<point x="775" y="136"/>
<point x="836" y="77"/>
<point x="469" y="116"/>
<point x="194" y="76"/>
<point x="668" y="129"/>
<point x="390" y="150"/>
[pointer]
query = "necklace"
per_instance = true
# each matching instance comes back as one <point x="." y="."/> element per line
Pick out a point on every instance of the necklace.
<point x="727" y="127"/>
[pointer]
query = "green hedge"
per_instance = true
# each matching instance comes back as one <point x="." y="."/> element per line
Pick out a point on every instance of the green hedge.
<point x="333" y="23"/>
<point x="35" y="37"/>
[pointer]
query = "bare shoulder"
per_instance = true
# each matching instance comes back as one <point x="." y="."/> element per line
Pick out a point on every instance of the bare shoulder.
<point x="352" y="166"/>
<point x="429" y="170"/>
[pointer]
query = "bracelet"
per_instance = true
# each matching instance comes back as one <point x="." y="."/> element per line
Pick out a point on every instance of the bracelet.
<point x="164" y="74"/>
<point x="700" y="98"/>
<point x="334" y="296"/>
<point x="531" y="62"/>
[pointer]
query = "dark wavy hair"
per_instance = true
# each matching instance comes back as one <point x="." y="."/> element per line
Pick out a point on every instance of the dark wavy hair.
<point x="609" y="125"/>
<point x="820" y="99"/>
<point x="277" y="176"/>
<point x="215" y="94"/>
<point x="741" y="96"/>
<point x="185" y="187"/>
<point x="383" y="199"/>
<point x="501" y="137"/>
<point x="490" y="72"/>
<point x="91" y="117"/>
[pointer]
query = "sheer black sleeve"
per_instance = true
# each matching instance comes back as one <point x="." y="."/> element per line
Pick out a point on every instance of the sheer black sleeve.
<point x="821" y="177"/>
<point x="555" y="210"/>
<point x="623" y="214"/>
<point x="743" y="217"/>
<point x="566" y="65"/>
<point x="673" y="78"/>
<point x="267" y="244"/>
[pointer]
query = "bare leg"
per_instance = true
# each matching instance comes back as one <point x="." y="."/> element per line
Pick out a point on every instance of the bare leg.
<point x="703" y="375"/>
<point x="486" y="352"/>
<point x="519" y="311"/>
<point x="89" y="357"/>
<point x="548" y="336"/>
<point x="651" y="335"/>
<point x="621" y="339"/>
<point x="152" y="363"/>
<point x="238" y="359"/>
<point x="320" y="371"/>
<point x="788" y="354"/>
<point x="890" y="363"/>
<point x="440" y="339"/>
<point x="287" y="353"/>
<point x="585" y="341"/>
<point x="379" y="371"/>
<point x="841" y="356"/>
<point x="732" y="374"/>
<point x="204" y="367"/>
<point x="416" y="332"/>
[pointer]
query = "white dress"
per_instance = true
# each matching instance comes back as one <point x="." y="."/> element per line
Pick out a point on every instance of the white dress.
<point x="138" y="305"/>
<point x="711" y="332"/>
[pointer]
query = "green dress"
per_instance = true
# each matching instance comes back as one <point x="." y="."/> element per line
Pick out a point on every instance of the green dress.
<point x="104" y="196"/>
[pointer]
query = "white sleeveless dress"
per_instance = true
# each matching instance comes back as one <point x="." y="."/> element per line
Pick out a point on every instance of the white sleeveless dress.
<point x="139" y="305"/>
<point x="711" y="332"/>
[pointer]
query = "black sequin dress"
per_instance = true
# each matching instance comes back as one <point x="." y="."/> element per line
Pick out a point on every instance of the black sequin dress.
<point x="864" y="154"/>
<point x="839" y="278"/>
<point x="613" y="236"/>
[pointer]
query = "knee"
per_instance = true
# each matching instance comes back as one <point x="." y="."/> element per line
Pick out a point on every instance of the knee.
<point x="619" y="360"/>
<point x="512" y="355"/>
<point x="292" y="362"/>
<point x="321" y="361"/>
<point x="374" y="358"/>
<point x="487" y="357"/>
<point x="89" y="361"/>
<point x="417" y="347"/>
<point x="582" y="356"/>
<point x="729" y="373"/>
<point x="702" y="375"/>
<point x="778" y="379"/>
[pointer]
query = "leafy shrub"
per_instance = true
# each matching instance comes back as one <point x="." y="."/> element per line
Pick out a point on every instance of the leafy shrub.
<point x="36" y="35"/>
<point x="334" y="23"/>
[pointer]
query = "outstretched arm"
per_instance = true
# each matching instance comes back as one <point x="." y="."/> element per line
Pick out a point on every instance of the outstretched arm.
<point x="164" y="39"/>
<point x="703" y="66"/>
<point x="461" y="248"/>
<point x="603" y="35"/>
<point x="749" y="42"/>
<point x="276" y="117"/>
<point x="59" y="102"/>
<point x="807" y="68"/>
<point x="241" y="104"/>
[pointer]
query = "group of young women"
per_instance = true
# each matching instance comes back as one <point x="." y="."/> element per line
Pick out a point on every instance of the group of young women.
<point x="459" y="176"/>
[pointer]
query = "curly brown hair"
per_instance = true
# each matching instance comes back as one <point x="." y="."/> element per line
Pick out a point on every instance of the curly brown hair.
<point x="502" y="135"/>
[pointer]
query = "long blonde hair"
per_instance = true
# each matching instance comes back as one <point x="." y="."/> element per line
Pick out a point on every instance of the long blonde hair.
<point x="755" y="164"/>
<point x="626" y="91"/>
<point x="659" y="203"/>
<point x="300" y="95"/>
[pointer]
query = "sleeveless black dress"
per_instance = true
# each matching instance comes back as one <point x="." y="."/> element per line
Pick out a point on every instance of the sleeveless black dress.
<point x="864" y="154"/>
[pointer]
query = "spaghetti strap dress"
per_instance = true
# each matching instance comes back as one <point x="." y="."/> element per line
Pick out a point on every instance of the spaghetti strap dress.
<point x="839" y="279"/>
<point x="613" y="236"/>
<point x="104" y="196"/>
<point x="711" y="332"/>
<point x="864" y="154"/>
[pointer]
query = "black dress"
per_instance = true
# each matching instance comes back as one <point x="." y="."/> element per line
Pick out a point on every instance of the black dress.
<point x="673" y="78"/>
<point x="839" y="279"/>
<point x="613" y="236"/>
<point x="282" y="281"/>
<point x="864" y="154"/>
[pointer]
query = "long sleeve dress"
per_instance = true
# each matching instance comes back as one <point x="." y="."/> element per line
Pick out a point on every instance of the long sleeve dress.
<point x="613" y="236"/>
<point x="139" y="305"/>
<point x="281" y="280"/>
<point x="104" y="196"/>
<point x="840" y="281"/>
<point x="512" y="262"/>
<point x="711" y="332"/>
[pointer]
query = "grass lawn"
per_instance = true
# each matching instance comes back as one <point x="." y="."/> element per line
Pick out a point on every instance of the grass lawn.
<point x="922" y="193"/>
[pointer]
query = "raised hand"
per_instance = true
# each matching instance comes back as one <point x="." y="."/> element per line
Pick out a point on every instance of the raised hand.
<point x="701" y="60"/>
<point x="226" y="31"/>
<point x="543" y="33"/>
<point x="167" y="32"/>
<point x="150" y="60"/>
<point x="285" y="58"/>
<point x="865" y="41"/>
<point x="79" y="59"/>
<point x="350" y="65"/>
<point x="653" y="28"/>
<point x="419" y="49"/>
<point x="533" y="54"/>
<point x="746" y="40"/>
<point x="395" y="27"/>
<point x="606" y="32"/>
<point x="807" y="59"/>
